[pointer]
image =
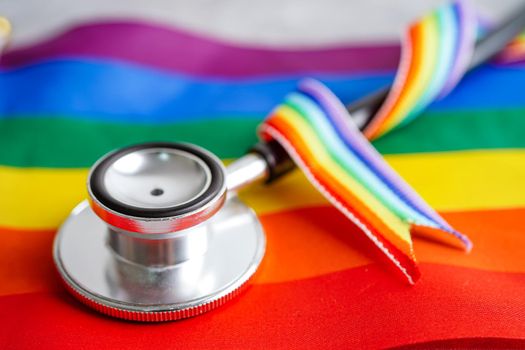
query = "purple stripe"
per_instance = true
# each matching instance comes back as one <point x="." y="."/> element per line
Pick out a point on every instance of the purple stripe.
<point x="504" y="60"/>
<point x="177" y="50"/>
<point x="467" y="27"/>
<point x="357" y="142"/>
<point x="360" y="144"/>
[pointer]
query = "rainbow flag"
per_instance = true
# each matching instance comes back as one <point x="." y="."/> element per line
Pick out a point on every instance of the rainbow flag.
<point x="66" y="101"/>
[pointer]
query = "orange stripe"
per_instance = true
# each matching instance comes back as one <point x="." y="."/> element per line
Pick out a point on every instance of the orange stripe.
<point x="497" y="236"/>
<point x="321" y="241"/>
<point x="26" y="260"/>
<point x="414" y="62"/>
<point x="414" y="73"/>
<point x="362" y="211"/>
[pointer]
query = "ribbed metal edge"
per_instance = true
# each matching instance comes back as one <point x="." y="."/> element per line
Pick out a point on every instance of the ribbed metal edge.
<point x="153" y="316"/>
<point x="158" y="313"/>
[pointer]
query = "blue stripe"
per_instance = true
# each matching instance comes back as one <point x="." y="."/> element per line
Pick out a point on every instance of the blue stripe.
<point x="487" y="87"/>
<point x="347" y="157"/>
<point x="124" y="92"/>
<point x="111" y="91"/>
<point x="363" y="157"/>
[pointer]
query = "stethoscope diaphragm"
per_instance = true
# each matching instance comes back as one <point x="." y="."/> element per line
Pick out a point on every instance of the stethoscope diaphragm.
<point x="163" y="239"/>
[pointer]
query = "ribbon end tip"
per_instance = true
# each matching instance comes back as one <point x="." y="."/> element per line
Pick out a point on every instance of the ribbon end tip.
<point x="467" y="246"/>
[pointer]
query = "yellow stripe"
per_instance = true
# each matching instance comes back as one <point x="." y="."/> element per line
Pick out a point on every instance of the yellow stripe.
<point x="34" y="198"/>
<point x="39" y="198"/>
<point x="398" y="227"/>
<point x="452" y="181"/>
<point x="424" y="71"/>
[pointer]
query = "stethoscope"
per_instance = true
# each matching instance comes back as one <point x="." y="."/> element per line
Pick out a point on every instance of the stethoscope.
<point x="163" y="235"/>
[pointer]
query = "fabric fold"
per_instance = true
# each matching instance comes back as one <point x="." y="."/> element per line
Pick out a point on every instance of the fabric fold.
<point x="318" y="133"/>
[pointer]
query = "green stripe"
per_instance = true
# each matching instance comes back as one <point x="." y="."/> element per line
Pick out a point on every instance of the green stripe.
<point x="68" y="143"/>
<point x="62" y="142"/>
<point x="453" y="131"/>
<point x="313" y="116"/>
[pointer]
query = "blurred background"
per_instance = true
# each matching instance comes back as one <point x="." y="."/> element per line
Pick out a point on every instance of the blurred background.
<point x="268" y="22"/>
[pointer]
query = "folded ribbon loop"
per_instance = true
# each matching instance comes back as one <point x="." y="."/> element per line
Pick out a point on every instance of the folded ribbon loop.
<point x="317" y="131"/>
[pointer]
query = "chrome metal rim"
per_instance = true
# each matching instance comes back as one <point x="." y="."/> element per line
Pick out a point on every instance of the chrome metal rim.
<point x="121" y="288"/>
<point x="156" y="188"/>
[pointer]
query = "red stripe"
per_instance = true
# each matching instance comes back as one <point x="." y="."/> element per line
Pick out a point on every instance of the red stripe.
<point x="410" y="67"/>
<point x="336" y="189"/>
<point x="355" y="308"/>
<point x="397" y="250"/>
<point x="468" y="344"/>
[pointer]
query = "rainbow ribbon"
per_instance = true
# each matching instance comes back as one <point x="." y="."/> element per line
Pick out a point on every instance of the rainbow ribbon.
<point x="515" y="50"/>
<point x="319" y="134"/>
<point x="435" y="54"/>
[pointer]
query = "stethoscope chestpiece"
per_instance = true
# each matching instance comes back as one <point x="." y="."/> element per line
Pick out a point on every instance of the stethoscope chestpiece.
<point x="157" y="187"/>
<point x="162" y="239"/>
